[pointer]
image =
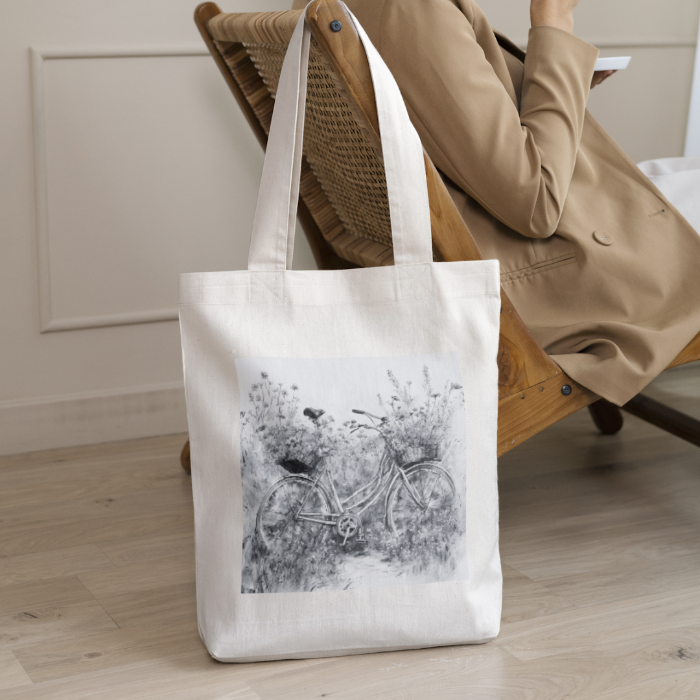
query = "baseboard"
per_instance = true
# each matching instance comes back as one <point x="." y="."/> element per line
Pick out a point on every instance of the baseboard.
<point x="89" y="418"/>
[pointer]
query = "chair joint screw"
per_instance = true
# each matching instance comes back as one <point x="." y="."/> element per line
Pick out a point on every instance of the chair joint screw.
<point x="566" y="390"/>
<point x="336" y="26"/>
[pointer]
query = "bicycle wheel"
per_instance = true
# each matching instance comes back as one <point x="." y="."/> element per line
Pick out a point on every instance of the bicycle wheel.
<point x="279" y="523"/>
<point x="428" y="501"/>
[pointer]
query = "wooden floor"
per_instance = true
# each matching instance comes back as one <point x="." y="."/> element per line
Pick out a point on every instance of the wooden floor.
<point x="601" y="557"/>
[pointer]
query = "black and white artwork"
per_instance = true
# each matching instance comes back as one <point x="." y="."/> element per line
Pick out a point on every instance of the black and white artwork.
<point x="353" y="472"/>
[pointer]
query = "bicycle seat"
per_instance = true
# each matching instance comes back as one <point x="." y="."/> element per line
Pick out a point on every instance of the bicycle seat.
<point x="313" y="413"/>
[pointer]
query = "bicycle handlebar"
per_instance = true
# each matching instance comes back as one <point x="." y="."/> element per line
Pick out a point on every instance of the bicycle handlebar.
<point x="357" y="410"/>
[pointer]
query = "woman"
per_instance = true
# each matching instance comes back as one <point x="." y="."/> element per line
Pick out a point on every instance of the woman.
<point x="601" y="266"/>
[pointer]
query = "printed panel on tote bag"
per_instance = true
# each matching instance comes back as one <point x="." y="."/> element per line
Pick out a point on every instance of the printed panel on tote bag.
<point x="343" y="424"/>
<point x="367" y="499"/>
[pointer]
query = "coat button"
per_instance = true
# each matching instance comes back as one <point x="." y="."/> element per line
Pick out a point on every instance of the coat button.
<point x="603" y="237"/>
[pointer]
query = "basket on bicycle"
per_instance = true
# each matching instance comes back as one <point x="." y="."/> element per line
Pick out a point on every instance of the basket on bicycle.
<point x="301" y="463"/>
<point x="419" y="452"/>
<point x="297" y="449"/>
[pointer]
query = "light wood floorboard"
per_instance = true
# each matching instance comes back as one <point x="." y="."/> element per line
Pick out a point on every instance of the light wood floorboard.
<point x="27" y="568"/>
<point x="601" y="563"/>
<point x="12" y="675"/>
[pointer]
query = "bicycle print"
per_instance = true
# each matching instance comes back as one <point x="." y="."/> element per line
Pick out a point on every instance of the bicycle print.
<point x="353" y="472"/>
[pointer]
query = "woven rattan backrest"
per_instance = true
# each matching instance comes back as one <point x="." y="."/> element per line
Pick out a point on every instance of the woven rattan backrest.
<point x="337" y="148"/>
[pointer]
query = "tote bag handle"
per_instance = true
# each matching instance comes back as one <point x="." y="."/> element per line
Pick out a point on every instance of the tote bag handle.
<point x="272" y="241"/>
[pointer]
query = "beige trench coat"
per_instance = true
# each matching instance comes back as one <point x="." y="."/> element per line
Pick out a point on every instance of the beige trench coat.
<point x="602" y="268"/>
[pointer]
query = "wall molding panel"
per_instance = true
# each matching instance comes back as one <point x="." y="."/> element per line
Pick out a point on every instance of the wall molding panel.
<point x="39" y="57"/>
<point x="92" y="417"/>
<point x="106" y="320"/>
<point x="51" y="319"/>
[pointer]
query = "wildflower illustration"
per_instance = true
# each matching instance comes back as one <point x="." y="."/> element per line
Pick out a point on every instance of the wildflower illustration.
<point x="353" y="472"/>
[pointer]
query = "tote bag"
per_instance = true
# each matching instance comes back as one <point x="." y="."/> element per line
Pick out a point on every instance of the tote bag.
<point x="343" y="424"/>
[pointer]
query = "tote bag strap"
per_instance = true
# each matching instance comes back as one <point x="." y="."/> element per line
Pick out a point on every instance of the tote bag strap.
<point x="272" y="242"/>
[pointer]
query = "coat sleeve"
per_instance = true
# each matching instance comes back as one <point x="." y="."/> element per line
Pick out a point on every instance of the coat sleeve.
<point x="518" y="166"/>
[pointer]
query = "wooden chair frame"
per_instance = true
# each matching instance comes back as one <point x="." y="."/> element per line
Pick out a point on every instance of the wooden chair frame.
<point x="534" y="392"/>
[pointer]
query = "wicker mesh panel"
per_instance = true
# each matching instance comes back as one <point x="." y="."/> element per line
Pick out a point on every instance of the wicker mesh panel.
<point x="346" y="165"/>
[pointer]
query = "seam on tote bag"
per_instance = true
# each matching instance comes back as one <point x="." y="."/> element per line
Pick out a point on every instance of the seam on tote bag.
<point x="441" y="286"/>
<point x="345" y="302"/>
<point x="350" y="300"/>
<point x="327" y="278"/>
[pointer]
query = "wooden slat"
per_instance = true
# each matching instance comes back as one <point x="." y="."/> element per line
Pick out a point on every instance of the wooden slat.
<point x="528" y="412"/>
<point x="252" y="27"/>
<point x="691" y="353"/>
<point x="202" y="16"/>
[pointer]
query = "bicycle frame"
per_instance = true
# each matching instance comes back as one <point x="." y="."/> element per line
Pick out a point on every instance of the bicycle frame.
<point x="378" y="485"/>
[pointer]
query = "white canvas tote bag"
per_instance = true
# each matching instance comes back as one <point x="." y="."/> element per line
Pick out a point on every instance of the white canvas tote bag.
<point x="343" y="424"/>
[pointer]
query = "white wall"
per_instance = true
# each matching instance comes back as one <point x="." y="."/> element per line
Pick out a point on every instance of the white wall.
<point x="125" y="160"/>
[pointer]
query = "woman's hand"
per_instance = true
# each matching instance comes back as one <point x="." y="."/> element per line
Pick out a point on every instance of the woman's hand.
<point x="553" y="13"/>
<point x="600" y="75"/>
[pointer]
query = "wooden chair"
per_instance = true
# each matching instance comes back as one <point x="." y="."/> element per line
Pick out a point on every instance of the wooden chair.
<point x="344" y="210"/>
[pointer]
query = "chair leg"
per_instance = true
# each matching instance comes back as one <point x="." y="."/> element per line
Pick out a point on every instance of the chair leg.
<point x="185" y="458"/>
<point x="665" y="417"/>
<point x="606" y="417"/>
